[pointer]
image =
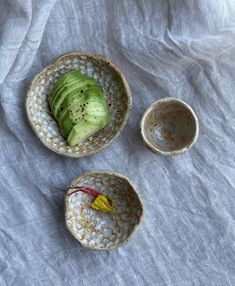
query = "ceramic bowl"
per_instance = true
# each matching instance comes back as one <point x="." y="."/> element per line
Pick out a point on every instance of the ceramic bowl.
<point x="116" y="92"/>
<point x="95" y="229"/>
<point x="169" y="126"/>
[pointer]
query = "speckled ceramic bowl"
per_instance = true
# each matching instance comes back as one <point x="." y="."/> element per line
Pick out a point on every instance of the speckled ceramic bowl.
<point x="169" y="126"/>
<point x="98" y="230"/>
<point x="116" y="91"/>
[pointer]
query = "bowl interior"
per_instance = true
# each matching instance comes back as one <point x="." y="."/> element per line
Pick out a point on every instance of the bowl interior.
<point x="98" y="230"/>
<point x="170" y="126"/>
<point x="115" y="90"/>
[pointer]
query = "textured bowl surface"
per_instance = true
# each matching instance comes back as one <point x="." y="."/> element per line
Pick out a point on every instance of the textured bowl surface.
<point x="98" y="230"/>
<point x="116" y="92"/>
<point x="169" y="126"/>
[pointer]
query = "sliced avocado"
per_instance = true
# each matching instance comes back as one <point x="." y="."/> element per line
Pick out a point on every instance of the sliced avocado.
<point x="68" y="119"/>
<point x="96" y="110"/>
<point x="83" y="107"/>
<point x="75" y="95"/>
<point x="81" y="111"/>
<point x="67" y="81"/>
<point x="81" y="131"/>
<point x="72" y="88"/>
<point x="64" y="78"/>
<point x="91" y="108"/>
<point x="74" y="102"/>
<point x="79" y="106"/>
<point x="66" y="126"/>
<point x="63" y="87"/>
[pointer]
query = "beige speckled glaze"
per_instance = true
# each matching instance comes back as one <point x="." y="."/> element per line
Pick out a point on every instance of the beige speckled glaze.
<point x="169" y="126"/>
<point x="116" y="92"/>
<point x="97" y="230"/>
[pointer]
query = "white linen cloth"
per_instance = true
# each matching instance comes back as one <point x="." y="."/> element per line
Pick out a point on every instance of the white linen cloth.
<point x="180" y="48"/>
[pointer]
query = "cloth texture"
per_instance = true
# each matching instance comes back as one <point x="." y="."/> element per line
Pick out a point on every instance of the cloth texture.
<point x="179" y="48"/>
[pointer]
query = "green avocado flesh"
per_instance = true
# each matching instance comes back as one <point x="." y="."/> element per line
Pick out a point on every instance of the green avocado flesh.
<point x="79" y="107"/>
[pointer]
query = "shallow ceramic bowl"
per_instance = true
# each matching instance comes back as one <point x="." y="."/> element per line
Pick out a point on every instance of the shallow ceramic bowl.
<point x="98" y="230"/>
<point x="169" y="126"/>
<point x="116" y="92"/>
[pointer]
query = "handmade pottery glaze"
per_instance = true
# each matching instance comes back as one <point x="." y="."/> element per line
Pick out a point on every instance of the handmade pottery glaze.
<point x="169" y="126"/>
<point x="98" y="230"/>
<point x="116" y="92"/>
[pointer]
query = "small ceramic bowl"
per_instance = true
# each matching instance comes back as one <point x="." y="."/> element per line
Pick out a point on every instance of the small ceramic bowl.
<point x="116" y="92"/>
<point x="169" y="126"/>
<point x="95" y="229"/>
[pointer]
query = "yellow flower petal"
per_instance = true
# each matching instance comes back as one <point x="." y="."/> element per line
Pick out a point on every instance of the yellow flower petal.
<point x="103" y="203"/>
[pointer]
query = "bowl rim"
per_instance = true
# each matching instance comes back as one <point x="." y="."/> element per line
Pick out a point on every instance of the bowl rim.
<point x="94" y="57"/>
<point x="153" y="147"/>
<point x="109" y="173"/>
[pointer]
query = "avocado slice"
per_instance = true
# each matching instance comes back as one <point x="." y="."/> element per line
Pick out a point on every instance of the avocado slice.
<point x="68" y="82"/>
<point x="91" y="109"/>
<point x="62" y="89"/>
<point x="73" y="98"/>
<point x="74" y="101"/>
<point x="89" y="125"/>
<point x="64" y="78"/>
<point x="72" y="88"/>
<point x="82" y="131"/>
<point x="66" y="126"/>
<point x="68" y="121"/>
